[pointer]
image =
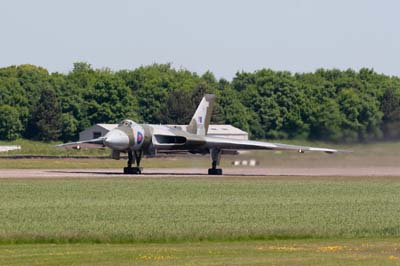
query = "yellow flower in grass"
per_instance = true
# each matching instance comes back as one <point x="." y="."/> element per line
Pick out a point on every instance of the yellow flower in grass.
<point x="280" y="248"/>
<point x="331" y="248"/>
<point x="150" y="257"/>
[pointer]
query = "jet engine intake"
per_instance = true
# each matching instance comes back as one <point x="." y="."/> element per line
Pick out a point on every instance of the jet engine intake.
<point x="175" y="140"/>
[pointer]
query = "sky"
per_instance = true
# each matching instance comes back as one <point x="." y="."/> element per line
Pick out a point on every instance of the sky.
<point x="222" y="36"/>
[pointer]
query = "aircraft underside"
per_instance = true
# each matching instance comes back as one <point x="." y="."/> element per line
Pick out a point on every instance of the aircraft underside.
<point x="135" y="157"/>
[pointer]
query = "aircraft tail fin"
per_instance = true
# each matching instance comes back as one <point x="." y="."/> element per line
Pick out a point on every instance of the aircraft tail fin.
<point x="201" y="118"/>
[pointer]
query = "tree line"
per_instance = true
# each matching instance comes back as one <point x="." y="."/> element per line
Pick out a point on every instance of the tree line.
<point x="331" y="105"/>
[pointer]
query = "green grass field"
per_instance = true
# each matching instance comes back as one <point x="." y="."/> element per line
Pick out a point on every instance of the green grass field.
<point x="200" y="221"/>
<point x="203" y="221"/>
<point x="273" y="252"/>
<point x="193" y="209"/>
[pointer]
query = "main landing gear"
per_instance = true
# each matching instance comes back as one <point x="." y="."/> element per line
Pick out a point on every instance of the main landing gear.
<point x="134" y="170"/>
<point x="215" y="157"/>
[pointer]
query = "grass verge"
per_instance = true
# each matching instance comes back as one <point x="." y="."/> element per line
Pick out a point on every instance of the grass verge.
<point x="274" y="252"/>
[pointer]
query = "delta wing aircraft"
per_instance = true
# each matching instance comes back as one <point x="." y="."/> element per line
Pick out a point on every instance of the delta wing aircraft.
<point x="147" y="139"/>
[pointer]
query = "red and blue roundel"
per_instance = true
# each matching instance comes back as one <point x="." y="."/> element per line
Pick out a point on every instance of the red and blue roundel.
<point x="139" y="138"/>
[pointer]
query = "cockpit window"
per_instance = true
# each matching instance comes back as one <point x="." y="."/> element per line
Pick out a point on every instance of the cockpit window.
<point x="123" y="123"/>
<point x="127" y="123"/>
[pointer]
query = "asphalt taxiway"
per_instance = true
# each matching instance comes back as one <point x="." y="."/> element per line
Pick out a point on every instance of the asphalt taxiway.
<point x="181" y="172"/>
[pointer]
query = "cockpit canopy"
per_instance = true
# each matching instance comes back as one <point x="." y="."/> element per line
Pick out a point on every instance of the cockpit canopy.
<point x="127" y="122"/>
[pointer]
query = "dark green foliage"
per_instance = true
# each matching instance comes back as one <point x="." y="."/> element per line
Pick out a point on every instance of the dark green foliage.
<point x="329" y="105"/>
<point x="333" y="105"/>
<point x="390" y="107"/>
<point x="69" y="127"/>
<point x="232" y="109"/>
<point x="151" y="86"/>
<point x="326" y="120"/>
<point x="109" y="100"/>
<point x="12" y="94"/>
<point x="47" y="123"/>
<point x="179" y="108"/>
<point x="278" y="103"/>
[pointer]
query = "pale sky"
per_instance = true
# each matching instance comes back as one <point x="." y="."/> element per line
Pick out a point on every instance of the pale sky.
<point x="221" y="36"/>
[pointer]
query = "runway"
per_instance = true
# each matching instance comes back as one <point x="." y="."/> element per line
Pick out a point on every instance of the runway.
<point x="202" y="172"/>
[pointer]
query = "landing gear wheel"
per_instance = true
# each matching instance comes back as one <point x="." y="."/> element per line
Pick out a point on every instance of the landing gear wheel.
<point x="215" y="158"/>
<point x="132" y="170"/>
<point x="216" y="171"/>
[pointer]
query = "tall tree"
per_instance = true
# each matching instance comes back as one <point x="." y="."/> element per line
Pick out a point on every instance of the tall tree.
<point x="110" y="100"/>
<point x="69" y="127"/>
<point x="10" y="125"/>
<point x="48" y="117"/>
<point x="390" y="107"/>
<point x="179" y="108"/>
<point x="232" y="109"/>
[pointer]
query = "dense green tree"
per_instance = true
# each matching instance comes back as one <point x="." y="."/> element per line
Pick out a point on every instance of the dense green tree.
<point x="349" y="103"/>
<point x="326" y="121"/>
<point x="233" y="111"/>
<point x="328" y="104"/>
<point x="390" y="107"/>
<point x="10" y="125"/>
<point x="110" y="100"/>
<point x="179" y="108"/>
<point x="12" y="94"/>
<point x="151" y="86"/>
<point x="277" y="100"/>
<point x="69" y="127"/>
<point x="32" y="79"/>
<point x="370" y="117"/>
<point x="47" y="123"/>
<point x="249" y="97"/>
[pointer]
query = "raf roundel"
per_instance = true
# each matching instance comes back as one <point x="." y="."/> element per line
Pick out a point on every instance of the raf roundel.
<point x="139" y="137"/>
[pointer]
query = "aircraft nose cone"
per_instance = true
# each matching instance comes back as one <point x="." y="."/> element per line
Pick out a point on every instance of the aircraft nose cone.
<point x="117" y="140"/>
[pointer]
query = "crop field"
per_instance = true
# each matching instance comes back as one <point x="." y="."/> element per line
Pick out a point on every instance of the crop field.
<point x="164" y="210"/>
<point x="173" y="221"/>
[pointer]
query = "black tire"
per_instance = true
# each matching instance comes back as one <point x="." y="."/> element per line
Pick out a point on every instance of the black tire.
<point x="217" y="171"/>
<point x="126" y="170"/>
<point x="132" y="170"/>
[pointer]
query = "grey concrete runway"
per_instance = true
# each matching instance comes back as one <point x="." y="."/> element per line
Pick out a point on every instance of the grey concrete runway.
<point x="177" y="172"/>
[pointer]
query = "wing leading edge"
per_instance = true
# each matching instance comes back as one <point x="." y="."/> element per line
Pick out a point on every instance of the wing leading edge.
<point x="91" y="143"/>
<point x="235" y="144"/>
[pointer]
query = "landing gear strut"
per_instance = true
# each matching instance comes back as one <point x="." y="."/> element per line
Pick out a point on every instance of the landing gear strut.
<point x="134" y="170"/>
<point x="215" y="157"/>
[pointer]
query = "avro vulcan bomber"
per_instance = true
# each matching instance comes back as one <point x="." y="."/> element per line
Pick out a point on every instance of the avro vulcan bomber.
<point x="146" y="139"/>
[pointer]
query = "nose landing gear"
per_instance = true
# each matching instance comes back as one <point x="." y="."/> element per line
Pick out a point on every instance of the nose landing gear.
<point x="215" y="157"/>
<point x="134" y="170"/>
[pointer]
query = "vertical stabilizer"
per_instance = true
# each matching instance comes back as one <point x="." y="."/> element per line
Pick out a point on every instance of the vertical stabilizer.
<point x="201" y="118"/>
